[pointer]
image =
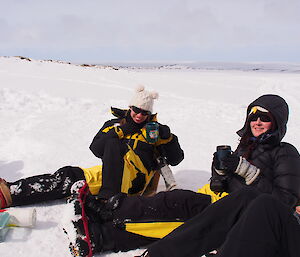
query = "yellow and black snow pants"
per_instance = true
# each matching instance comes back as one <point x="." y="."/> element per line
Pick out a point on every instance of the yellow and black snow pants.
<point x="140" y="220"/>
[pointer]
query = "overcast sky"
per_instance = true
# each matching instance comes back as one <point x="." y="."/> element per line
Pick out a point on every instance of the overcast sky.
<point x="98" y="31"/>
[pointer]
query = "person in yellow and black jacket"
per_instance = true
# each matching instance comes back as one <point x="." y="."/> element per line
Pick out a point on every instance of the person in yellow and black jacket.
<point x="129" y="160"/>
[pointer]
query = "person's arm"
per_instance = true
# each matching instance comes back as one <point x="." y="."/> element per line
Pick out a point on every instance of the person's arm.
<point x="279" y="176"/>
<point x="105" y="133"/>
<point x="171" y="150"/>
<point x="168" y="146"/>
<point x="113" y="129"/>
<point x="283" y="178"/>
<point x="286" y="175"/>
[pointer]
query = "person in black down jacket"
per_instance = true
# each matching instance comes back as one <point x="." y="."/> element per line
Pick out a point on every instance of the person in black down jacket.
<point x="262" y="178"/>
<point x="262" y="160"/>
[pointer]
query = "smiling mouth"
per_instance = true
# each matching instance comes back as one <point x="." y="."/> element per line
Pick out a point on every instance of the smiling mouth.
<point x="138" y="120"/>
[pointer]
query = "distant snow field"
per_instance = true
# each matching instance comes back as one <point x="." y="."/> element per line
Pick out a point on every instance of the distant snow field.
<point x="50" y="112"/>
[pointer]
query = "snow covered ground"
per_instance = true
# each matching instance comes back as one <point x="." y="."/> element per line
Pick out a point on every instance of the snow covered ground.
<point x="50" y="111"/>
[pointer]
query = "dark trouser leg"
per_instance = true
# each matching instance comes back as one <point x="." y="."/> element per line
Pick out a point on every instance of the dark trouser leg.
<point x="206" y="231"/>
<point x="45" y="187"/>
<point x="182" y="204"/>
<point x="112" y="169"/>
<point x="170" y="206"/>
<point x="266" y="229"/>
<point x="117" y="240"/>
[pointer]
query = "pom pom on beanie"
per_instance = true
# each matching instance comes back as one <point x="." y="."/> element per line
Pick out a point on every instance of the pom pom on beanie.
<point x="143" y="99"/>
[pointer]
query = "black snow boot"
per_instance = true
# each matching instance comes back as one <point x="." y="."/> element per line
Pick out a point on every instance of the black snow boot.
<point x="87" y="238"/>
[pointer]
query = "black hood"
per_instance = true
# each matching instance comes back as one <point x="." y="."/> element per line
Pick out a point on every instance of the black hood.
<point x="279" y="109"/>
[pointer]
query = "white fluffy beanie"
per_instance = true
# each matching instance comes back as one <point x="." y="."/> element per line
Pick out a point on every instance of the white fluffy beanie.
<point x="143" y="99"/>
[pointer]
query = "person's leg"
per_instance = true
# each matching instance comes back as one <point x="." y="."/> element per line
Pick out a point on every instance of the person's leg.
<point x="115" y="239"/>
<point x="206" y="231"/>
<point x="96" y="229"/>
<point x="266" y="229"/>
<point x="180" y="204"/>
<point x="45" y="187"/>
<point x="112" y="169"/>
<point x="165" y="206"/>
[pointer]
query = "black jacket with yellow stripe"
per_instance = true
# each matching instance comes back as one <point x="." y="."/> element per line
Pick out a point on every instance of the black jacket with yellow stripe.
<point x="145" y="153"/>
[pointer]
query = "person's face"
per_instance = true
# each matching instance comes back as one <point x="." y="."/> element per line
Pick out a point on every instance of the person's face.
<point x="138" y="115"/>
<point x="259" y="126"/>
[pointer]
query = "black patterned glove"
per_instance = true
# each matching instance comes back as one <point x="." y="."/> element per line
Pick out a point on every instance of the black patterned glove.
<point x="231" y="162"/>
<point x="227" y="165"/>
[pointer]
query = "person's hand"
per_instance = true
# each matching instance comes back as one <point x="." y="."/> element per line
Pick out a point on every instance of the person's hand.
<point x="164" y="131"/>
<point x="230" y="162"/>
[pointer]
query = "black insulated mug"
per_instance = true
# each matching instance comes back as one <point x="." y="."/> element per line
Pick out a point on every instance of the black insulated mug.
<point x="222" y="152"/>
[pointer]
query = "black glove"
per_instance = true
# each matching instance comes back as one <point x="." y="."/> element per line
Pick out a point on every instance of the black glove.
<point x="164" y="131"/>
<point x="218" y="181"/>
<point x="231" y="162"/>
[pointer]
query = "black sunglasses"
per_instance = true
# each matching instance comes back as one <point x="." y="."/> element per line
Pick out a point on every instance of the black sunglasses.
<point x="261" y="116"/>
<point x="139" y="110"/>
